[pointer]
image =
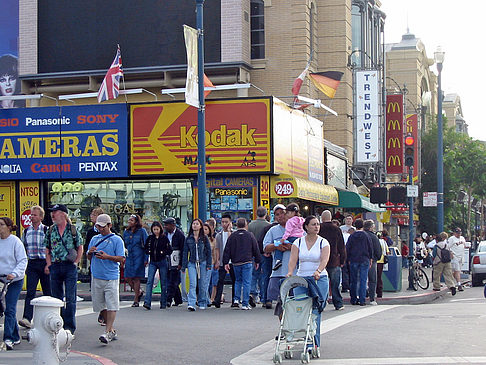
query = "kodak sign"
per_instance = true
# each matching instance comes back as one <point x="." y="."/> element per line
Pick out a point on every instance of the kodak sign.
<point x="164" y="137"/>
<point x="394" y="134"/>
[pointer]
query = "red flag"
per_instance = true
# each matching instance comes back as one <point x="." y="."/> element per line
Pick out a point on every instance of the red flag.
<point x="110" y="86"/>
<point x="207" y="83"/>
<point x="298" y="81"/>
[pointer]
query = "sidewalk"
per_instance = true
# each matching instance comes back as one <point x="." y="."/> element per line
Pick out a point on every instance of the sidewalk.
<point x="74" y="358"/>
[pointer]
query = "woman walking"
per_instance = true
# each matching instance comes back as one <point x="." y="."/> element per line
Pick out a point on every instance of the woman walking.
<point x="135" y="237"/>
<point x="158" y="249"/>
<point x="312" y="251"/>
<point x="196" y="258"/>
<point x="212" y="277"/>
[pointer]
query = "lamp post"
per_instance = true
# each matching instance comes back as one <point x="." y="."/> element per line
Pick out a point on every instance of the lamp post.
<point x="439" y="60"/>
<point x="201" y="123"/>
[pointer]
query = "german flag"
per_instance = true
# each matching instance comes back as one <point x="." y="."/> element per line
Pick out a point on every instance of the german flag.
<point x="327" y="82"/>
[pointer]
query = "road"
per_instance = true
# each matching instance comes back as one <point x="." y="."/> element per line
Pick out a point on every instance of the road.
<point x="450" y="330"/>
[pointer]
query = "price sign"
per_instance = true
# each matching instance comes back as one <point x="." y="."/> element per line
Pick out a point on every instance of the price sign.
<point x="284" y="188"/>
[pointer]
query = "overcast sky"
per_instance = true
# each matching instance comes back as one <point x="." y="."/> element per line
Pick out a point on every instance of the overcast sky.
<point x="459" y="28"/>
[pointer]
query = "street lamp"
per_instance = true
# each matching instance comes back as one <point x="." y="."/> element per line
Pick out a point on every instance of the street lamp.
<point x="439" y="60"/>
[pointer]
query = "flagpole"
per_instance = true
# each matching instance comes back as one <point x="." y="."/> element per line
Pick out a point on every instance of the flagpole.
<point x="123" y="80"/>
<point x="201" y="127"/>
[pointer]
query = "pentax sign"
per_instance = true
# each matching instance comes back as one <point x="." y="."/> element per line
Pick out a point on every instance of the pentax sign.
<point x="69" y="142"/>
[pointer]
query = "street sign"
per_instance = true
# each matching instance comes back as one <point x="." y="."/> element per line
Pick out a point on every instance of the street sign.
<point x="430" y="199"/>
<point x="412" y="191"/>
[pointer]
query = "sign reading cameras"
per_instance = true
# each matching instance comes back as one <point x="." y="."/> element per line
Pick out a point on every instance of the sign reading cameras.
<point x="367" y="116"/>
<point x="71" y="142"/>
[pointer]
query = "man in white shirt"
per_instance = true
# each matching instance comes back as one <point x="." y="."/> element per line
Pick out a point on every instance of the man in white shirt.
<point x="221" y="238"/>
<point x="456" y="244"/>
<point x="348" y="223"/>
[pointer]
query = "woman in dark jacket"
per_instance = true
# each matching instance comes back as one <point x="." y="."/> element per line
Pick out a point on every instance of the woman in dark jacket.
<point x="196" y="258"/>
<point x="158" y="249"/>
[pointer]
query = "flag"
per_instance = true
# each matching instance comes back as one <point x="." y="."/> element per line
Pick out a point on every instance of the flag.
<point x="298" y="81"/>
<point x="190" y="37"/>
<point x="327" y="82"/>
<point x="207" y="83"/>
<point x="110" y="86"/>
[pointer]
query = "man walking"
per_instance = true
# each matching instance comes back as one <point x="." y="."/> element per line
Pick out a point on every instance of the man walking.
<point x="359" y="253"/>
<point x="33" y="239"/>
<point x="259" y="276"/>
<point x="106" y="251"/>
<point x="348" y="223"/>
<point x="221" y="239"/>
<point x="368" y="228"/>
<point x="456" y="244"/>
<point x="337" y="257"/>
<point x="64" y="249"/>
<point x="176" y="239"/>
<point x="242" y="249"/>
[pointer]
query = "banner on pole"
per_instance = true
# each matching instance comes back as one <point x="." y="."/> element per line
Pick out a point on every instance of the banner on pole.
<point x="190" y="36"/>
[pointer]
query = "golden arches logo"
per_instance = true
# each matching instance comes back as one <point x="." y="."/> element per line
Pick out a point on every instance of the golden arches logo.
<point x="395" y="159"/>
<point x="395" y="124"/>
<point x="394" y="106"/>
<point x="394" y="143"/>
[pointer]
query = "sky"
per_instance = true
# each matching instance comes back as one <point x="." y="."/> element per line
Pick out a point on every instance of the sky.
<point x="459" y="28"/>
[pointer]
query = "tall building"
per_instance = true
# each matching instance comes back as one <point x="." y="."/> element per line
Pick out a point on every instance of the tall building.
<point x="453" y="111"/>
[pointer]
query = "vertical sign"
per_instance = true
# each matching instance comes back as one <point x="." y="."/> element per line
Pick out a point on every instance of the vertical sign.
<point x="29" y="196"/>
<point x="394" y="134"/>
<point x="265" y="191"/>
<point x="367" y="116"/>
<point x="7" y="199"/>
<point x="412" y="127"/>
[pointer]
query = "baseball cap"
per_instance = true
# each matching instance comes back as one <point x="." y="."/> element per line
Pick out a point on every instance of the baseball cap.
<point x="458" y="230"/>
<point x="60" y="207"/>
<point x="103" y="219"/>
<point x="278" y="206"/>
<point x="169" y="220"/>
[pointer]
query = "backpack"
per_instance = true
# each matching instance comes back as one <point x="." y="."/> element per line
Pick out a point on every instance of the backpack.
<point x="445" y="254"/>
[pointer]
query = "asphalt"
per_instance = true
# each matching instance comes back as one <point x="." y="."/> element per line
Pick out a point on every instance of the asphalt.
<point x="404" y="296"/>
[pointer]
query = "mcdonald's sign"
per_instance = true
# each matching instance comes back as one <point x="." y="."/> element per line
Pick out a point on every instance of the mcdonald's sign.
<point x="394" y="134"/>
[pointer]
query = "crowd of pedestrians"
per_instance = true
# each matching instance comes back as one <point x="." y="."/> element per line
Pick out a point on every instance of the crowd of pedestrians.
<point x="256" y="257"/>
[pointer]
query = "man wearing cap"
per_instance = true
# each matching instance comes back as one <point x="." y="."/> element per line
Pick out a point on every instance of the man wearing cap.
<point x="176" y="239"/>
<point x="106" y="251"/>
<point x="275" y="234"/>
<point x="64" y="249"/>
<point x="456" y="244"/>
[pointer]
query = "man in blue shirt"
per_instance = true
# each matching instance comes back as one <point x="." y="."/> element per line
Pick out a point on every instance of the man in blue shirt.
<point x="106" y="251"/>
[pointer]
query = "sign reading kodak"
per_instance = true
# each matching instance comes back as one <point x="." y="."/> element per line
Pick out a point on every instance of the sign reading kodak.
<point x="164" y="137"/>
<point x="394" y="134"/>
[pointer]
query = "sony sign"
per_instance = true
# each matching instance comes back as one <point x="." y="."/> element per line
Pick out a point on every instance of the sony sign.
<point x="367" y="116"/>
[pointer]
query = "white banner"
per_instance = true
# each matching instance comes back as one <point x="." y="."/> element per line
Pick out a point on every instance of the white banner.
<point x="192" y="90"/>
<point x="367" y="116"/>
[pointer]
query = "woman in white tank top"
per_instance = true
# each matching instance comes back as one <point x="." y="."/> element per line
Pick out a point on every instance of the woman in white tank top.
<point x="312" y="251"/>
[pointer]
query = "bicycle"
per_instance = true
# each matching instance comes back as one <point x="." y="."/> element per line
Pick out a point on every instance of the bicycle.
<point x="419" y="277"/>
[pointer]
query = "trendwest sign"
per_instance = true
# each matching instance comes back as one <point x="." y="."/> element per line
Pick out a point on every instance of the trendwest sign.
<point x="367" y="117"/>
<point x="394" y="134"/>
<point x="237" y="137"/>
<point x="63" y="142"/>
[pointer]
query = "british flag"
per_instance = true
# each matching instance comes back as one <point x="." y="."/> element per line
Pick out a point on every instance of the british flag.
<point x="110" y="86"/>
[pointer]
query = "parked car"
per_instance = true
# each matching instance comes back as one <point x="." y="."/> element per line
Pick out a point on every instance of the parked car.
<point x="478" y="266"/>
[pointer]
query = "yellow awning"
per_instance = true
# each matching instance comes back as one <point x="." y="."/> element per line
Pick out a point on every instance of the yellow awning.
<point x="285" y="186"/>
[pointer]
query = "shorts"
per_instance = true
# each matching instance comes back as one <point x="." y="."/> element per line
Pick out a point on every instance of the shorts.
<point x="456" y="264"/>
<point x="105" y="294"/>
<point x="273" y="291"/>
<point x="214" y="277"/>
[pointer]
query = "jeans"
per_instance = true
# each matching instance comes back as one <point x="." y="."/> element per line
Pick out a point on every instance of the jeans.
<point x="64" y="276"/>
<point x="34" y="273"/>
<point x="345" y="276"/>
<point x="266" y="264"/>
<point x="255" y="287"/>
<point x="379" y="279"/>
<point x="323" y="286"/>
<point x="358" y="270"/>
<point x="11" y="328"/>
<point x="206" y="283"/>
<point x="193" y="282"/>
<point x="243" y="282"/>
<point x="173" y="291"/>
<point x="183" y="286"/>
<point x="153" y="267"/>
<point x="372" y="281"/>
<point x="219" y="289"/>
<point x="335" y="280"/>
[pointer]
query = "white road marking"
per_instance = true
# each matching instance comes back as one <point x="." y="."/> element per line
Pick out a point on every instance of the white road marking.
<point x="263" y="354"/>
<point x="404" y="360"/>
<point x="466" y="299"/>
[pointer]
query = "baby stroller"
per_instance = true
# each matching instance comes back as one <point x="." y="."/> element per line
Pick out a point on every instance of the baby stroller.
<point x="298" y="324"/>
<point x="3" y="291"/>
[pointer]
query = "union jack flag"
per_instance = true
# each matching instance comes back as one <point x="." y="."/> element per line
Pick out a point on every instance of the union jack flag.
<point x="110" y="86"/>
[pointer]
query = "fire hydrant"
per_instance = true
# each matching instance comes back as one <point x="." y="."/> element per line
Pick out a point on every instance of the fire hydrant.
<point x="51" y="342"/>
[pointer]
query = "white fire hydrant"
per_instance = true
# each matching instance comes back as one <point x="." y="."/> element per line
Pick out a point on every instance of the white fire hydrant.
<point x="51" y="342"/>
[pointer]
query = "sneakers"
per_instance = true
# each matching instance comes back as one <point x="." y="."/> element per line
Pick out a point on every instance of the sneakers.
<point x="277" y="265"/>
<point x="460" y="288"/>
<point x="9" y="344"/>
<point x="252" y="302"/>
<point x="235" y="305"/>
<point x="24" y="322"/>
<point x="108" y="336"/>
<point x="453" y="290"/>
<point x="146" y="306"/>
<point x="190" y="308"/>
<point x="216" y="304"/>
<point x="268" y="305"/>
<point x="373" y="302"/>
<point x="340" y="308"/>
<point x="245" y="307"/>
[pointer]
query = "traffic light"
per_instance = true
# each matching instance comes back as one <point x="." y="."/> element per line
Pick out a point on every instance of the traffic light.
<point x="398" y="195"/>
<point x="409" y="150"/>
<point x="378" y="195"/>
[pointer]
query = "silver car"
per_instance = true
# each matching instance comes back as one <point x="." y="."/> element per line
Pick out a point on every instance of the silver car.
<point x="478" y="266"/>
